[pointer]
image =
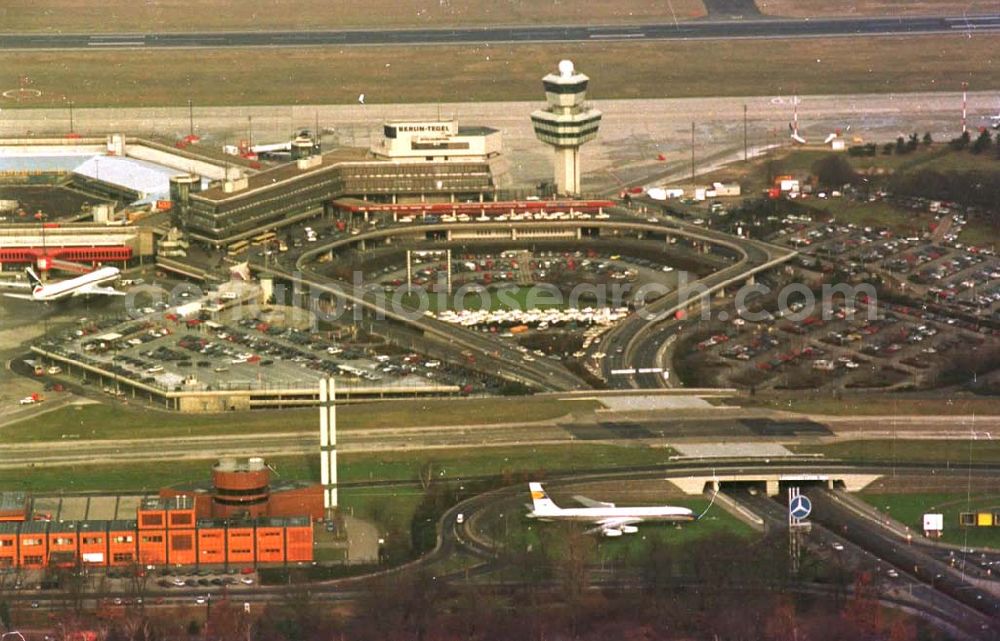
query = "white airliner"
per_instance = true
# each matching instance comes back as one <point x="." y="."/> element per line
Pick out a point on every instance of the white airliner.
<point x="836" y="133"/>
<point x="610" y="520"/>
<point x="85" y="285"/>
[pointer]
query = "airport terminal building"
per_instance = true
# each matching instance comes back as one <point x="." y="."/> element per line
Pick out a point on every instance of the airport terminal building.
<point x="435" y="161"/>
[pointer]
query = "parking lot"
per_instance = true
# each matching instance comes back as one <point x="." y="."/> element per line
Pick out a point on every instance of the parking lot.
<point x="561" y="269"/>
<point x="186" y="348"/>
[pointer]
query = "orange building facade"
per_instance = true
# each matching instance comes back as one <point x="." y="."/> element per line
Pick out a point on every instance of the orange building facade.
<point x="245" y="490"/>
<point x="242" y="520"/>
<point x="41" y="544"/>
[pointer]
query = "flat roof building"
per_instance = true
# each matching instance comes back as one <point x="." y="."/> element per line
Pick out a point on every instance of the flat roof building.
<point x="13" y="506"/>
<point x="436" y="141"/>
<point x="445" y="163"/>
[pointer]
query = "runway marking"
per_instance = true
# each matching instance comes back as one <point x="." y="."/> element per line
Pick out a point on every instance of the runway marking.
<point x="611" y="36"/>
<point x="304" y="36"/>
<point x="974" y="19"/>
<point x="116" y="44"/>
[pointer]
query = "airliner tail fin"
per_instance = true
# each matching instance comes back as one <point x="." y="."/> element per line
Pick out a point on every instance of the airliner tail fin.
<point x="540" y="500"/>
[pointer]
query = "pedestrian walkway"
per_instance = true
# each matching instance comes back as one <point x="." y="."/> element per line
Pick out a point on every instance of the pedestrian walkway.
<point x="362" y="540"/>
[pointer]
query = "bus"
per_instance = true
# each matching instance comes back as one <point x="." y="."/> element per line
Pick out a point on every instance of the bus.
<point x="263" y="239"/>
<point x="238" y="247"/>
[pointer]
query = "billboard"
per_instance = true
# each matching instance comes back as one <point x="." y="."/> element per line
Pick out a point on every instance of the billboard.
<point x="933" y="523"/>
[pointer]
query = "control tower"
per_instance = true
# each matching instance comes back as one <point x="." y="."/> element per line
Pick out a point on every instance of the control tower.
<point x="566" y="123"/>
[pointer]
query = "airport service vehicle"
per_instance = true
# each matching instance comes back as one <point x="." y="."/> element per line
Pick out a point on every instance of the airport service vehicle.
<point x="610" y="521"/>
<point x="31" y="400"/>
<point x="85" y="285"/>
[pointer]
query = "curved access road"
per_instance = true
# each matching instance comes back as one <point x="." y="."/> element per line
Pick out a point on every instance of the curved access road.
<point x="632" y="345"/>
<point x="753" y="256"/>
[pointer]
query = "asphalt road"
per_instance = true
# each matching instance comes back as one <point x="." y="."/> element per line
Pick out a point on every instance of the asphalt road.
<point x="964" y="622"/>
<point x="512" y="365"/>
<point x="733" y="28"/>
<point x="633" y="343"/>
<point x="621" y="344"/>
<point x="748" y="425"/>
<point x="909" y="558"/>
<point x="860" y="556"/>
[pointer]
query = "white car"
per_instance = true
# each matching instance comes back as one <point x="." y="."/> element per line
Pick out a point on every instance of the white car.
<point x="28" y="400"/>
<point x="836" y="545"/>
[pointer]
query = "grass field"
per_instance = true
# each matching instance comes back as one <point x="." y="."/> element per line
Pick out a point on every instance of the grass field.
<point x="979" y="234"/>
<point x="446" y="464"/>
<point x="910" y="508"/>
<point x="502" y="72"/>
<point x="952" y="454"/>
<point x="82" y="16"/>
<point x="116" y="422"/>
<point x="938" y="156"/>
<point x="879" y="405"/>
<point x="878" y="214"/>
<point x="716" y="520"/>
<point x="846" y="8"/>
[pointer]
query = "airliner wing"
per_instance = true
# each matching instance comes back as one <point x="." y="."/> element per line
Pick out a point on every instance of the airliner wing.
<point x="614" y="527"/>
<point x="96" y="290"/>
<point x="588" y="502"/>
<point x="20" y="296"/>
